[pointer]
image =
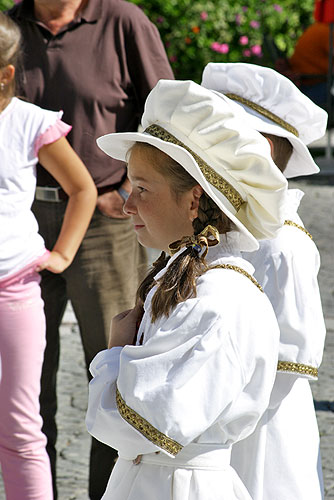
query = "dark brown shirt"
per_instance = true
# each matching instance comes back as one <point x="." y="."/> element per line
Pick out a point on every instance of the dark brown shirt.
<point x="99" y="70"/>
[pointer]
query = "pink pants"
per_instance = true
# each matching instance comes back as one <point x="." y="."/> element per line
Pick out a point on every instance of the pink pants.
<point x="24" y="461"/>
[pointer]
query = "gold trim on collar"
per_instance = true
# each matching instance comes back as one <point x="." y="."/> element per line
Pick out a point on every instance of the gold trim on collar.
<point x="287" y="366"/>
<point x="215" y="179"/>
<point x="291" y="223"/>
<point x="238" y="270"/>
<point x="145" y="428"/>
<point x="264" y="112"/>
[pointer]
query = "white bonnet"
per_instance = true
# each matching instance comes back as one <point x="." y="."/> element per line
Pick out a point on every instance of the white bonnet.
<point x="205" y="133"/>
<point x="274" y="105"/>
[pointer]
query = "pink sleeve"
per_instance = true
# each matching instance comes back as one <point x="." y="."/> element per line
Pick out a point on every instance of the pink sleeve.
<point x="52" y="134"/>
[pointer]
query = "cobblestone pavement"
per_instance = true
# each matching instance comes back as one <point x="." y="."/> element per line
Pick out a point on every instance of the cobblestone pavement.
<point x="73" y="444"/>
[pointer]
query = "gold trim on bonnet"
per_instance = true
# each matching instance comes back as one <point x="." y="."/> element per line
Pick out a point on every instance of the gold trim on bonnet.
<point x="215" y="179"/>
<point x="287" y="366"/>
<point x="145" y="428"/>
<point x="238" y="270"/>
<point x="291" y="223"/>
<point x="264" y="112"/>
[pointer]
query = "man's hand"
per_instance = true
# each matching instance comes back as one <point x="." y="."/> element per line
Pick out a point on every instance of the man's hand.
<point x="111" y="204"/>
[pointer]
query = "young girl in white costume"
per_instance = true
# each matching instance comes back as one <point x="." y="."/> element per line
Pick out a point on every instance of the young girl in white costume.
<point x="173" y="395"/>
<point x="281" y="460"/>
<point x="29" y="134"/>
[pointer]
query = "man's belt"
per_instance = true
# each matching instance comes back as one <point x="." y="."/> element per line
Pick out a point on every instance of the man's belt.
<point x="57" y="194"/>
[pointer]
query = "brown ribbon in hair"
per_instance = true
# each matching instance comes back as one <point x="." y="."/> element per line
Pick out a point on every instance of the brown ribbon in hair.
<point x="202" y="241"/>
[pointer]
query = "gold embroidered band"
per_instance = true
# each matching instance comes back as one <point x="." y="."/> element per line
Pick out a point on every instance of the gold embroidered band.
<point x="291" y="223"/>
<point x="145" y="428"/>
<point x="287" y="366"/>
<point x="205" y="239"/>
<point x="264" y="112"/>
<point x="238" y="270"/>
<point x="215" y="179"/>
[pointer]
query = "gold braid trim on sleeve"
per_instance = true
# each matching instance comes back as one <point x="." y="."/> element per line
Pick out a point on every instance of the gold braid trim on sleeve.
<point x="291" y="223"/>
<point x="287" y="366"/>
<point x="213" y="177"/>
<point x="238" y="270"/>
<point x="145" y="428"/>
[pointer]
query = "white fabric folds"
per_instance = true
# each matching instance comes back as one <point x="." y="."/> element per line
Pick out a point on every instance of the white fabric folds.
<point x="273" y="104"/>
<point x="209" y="136"/>
<point x="203" y="377"/>
<point x="287" y="267"/>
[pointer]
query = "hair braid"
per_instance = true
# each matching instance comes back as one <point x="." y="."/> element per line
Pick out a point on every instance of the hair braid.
<point x="209" y="213"/>
<point x="178" y="283"/>
<point x="148" y="282"/>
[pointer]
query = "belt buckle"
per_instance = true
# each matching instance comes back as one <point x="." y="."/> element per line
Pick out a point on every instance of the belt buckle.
<point x="47" y="193"/>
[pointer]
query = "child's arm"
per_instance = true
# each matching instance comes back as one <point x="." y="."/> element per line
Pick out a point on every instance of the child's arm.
<point x="61" y="161"/>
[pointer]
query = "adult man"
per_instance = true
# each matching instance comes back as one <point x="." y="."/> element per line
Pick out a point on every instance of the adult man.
<point x="97" y="60"/>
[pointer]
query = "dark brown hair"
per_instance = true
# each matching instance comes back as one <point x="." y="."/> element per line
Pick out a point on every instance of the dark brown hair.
<point x="10" y="49"/>
<point x="282" y="150"/>
<point x="179" y="281"/>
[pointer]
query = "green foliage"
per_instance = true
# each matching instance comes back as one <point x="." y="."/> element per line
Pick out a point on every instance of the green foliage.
<point x="5" y="4"/>
<point x="197" y="32"/>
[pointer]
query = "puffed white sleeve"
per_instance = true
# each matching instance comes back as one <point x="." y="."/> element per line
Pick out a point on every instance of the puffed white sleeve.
<point x="292" y="287"/>
<point x="200" y="368"/>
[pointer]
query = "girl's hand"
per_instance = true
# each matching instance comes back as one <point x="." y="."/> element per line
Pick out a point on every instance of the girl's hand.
<point x="61" y="161"/>
<point x="124" y="327"/>
<point x="56" y="263"/>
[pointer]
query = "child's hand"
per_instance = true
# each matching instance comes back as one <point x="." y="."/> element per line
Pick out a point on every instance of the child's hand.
<point x="56" y="263"/>
<point x="124" y="327"/>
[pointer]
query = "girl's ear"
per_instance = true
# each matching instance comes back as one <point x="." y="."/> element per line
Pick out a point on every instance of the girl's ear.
<point x="7" y="74"/>
<point x="196" y="193"/>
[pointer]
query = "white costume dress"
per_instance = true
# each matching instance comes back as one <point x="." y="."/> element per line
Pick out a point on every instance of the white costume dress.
<point x="199" y="382"/>
<point x="281" y="460"/>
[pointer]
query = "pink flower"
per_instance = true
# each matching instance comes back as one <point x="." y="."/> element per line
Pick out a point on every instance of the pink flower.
<point x="246" y="53"/>
<point x="160" y="19"/>
<point x="204" y="15"/>
<point x="172" y="58"/>
<point x="257" y="50"/>
<point x="224" y="48"/>
<point x="215" y="46"/>
<point x="238" y="19"/>
<point x="243" y="40"/>
<point x="277" y="7"/>
<point x="255" y="24"/>
<point x="244" y="8"/>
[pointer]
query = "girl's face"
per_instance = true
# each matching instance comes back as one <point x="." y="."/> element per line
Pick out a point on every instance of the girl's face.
<point x="158" y="217"/>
